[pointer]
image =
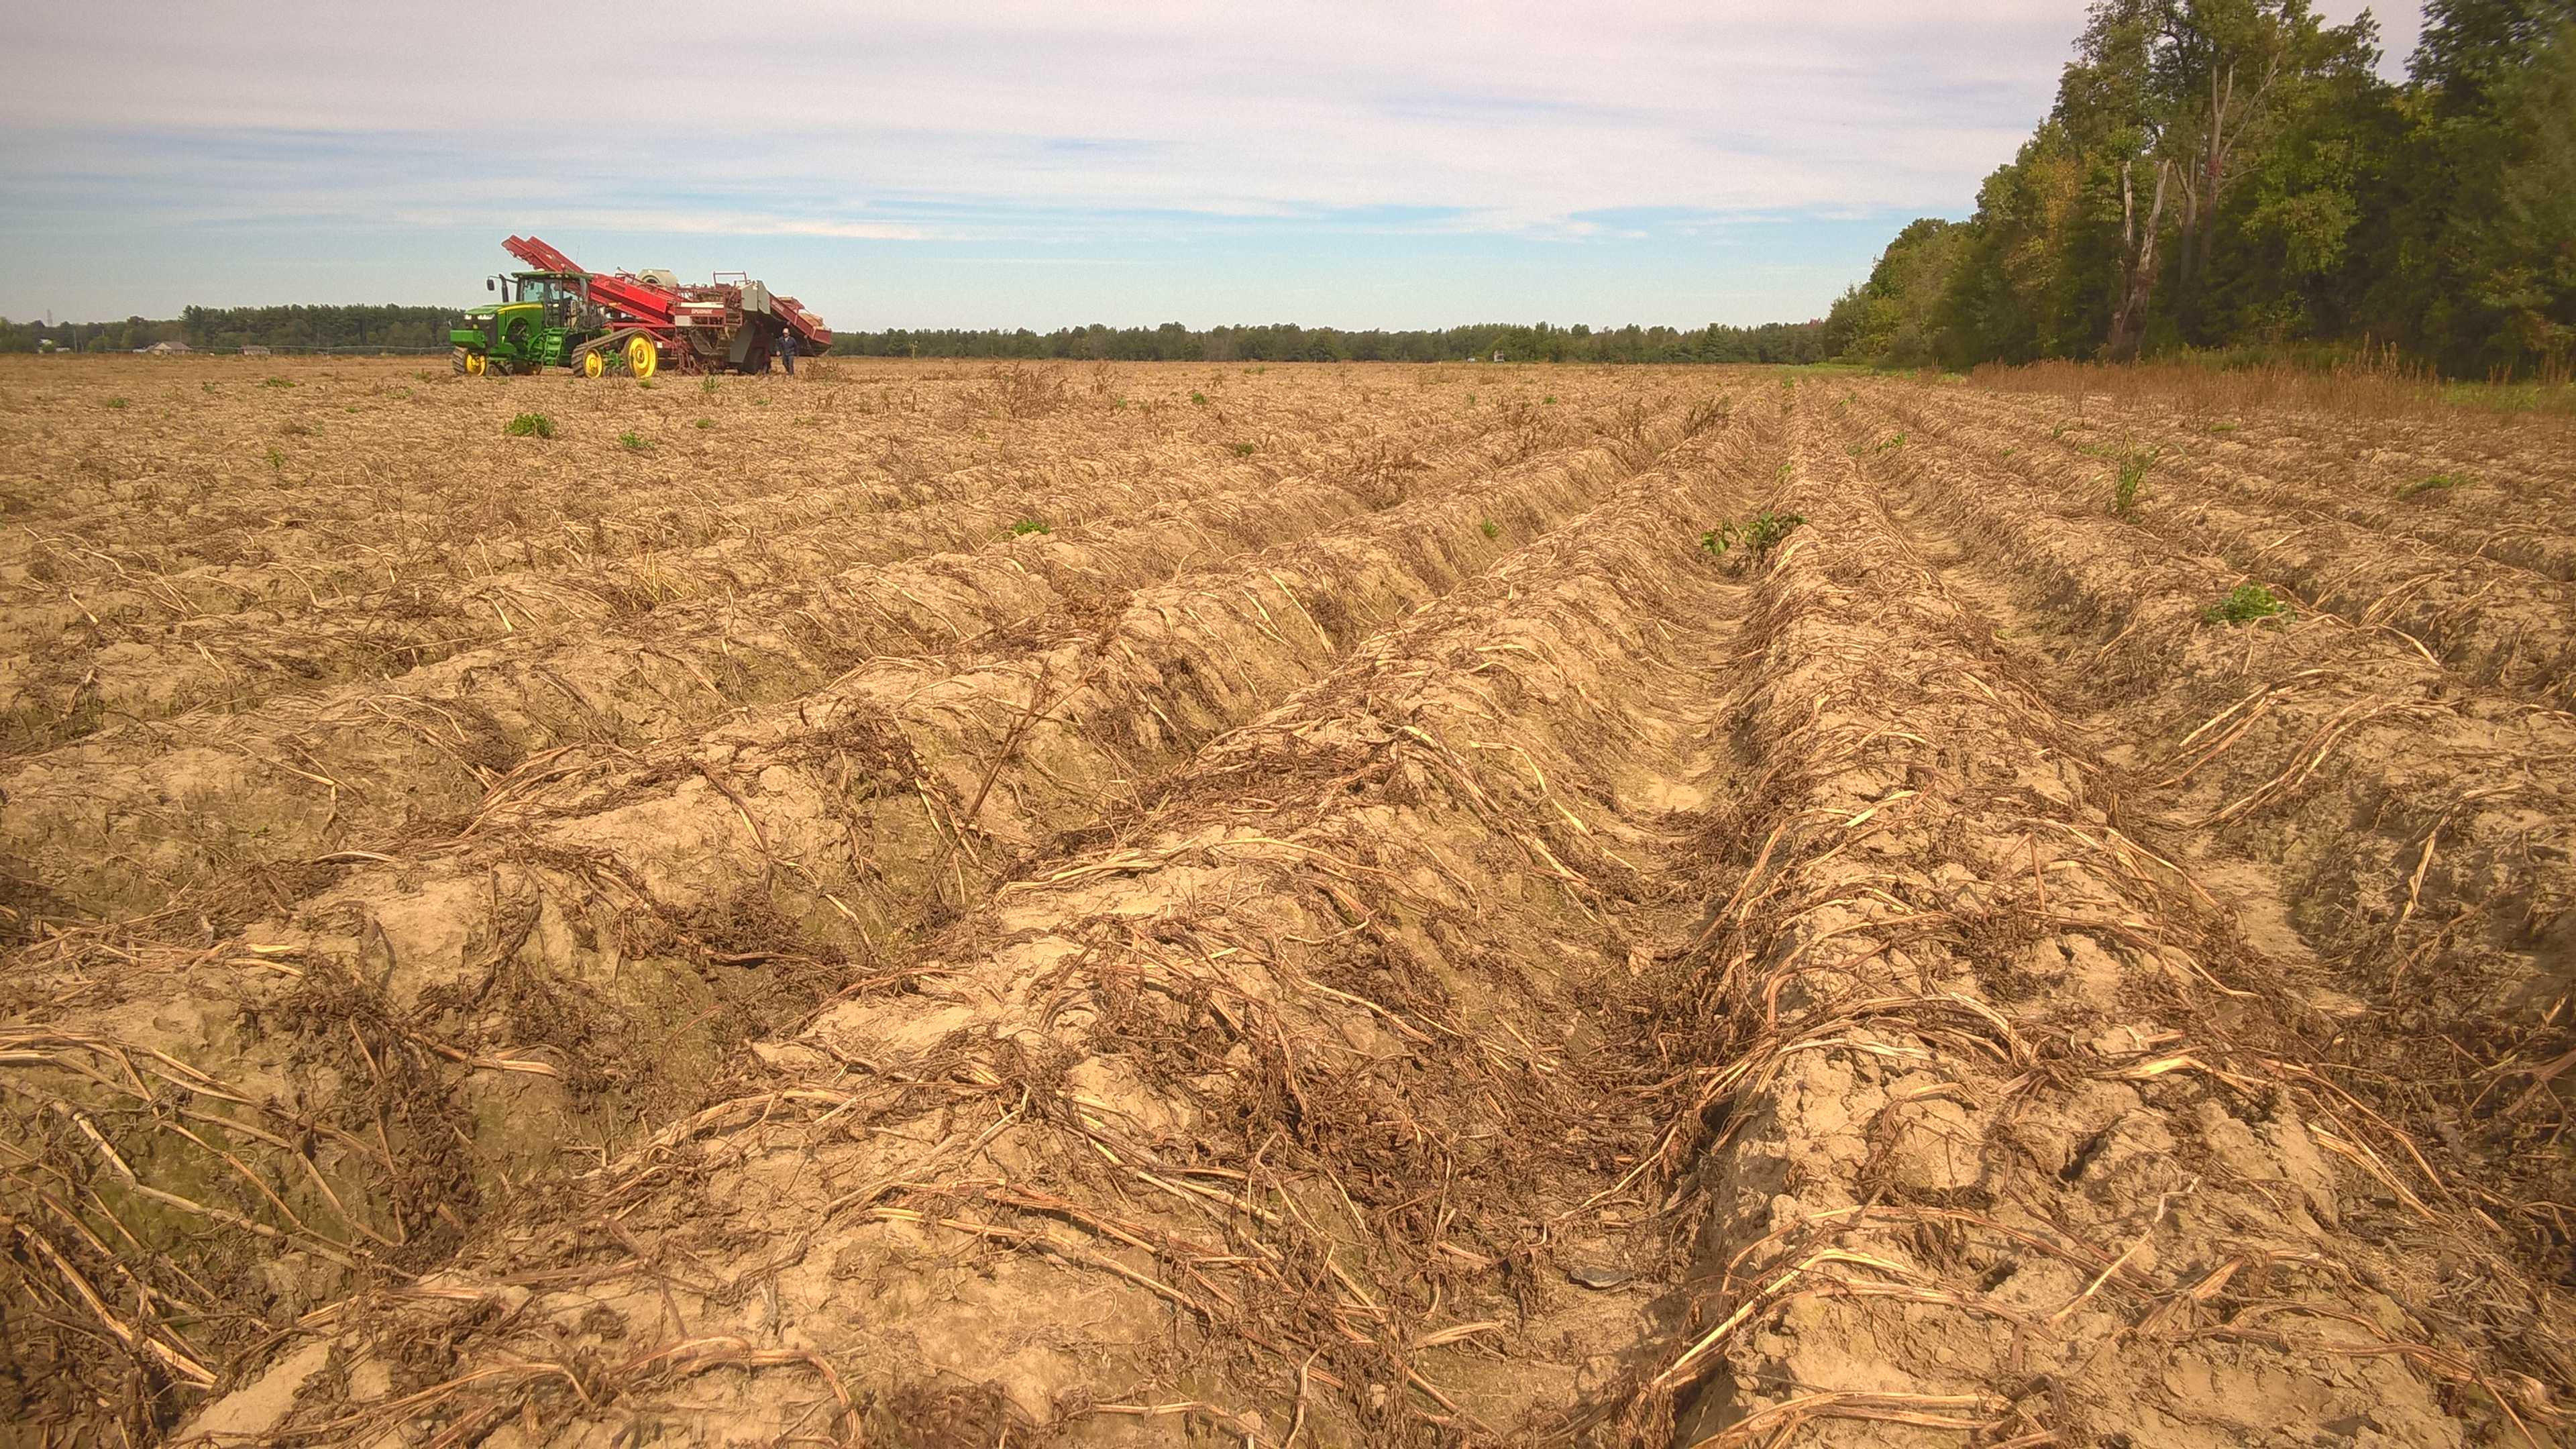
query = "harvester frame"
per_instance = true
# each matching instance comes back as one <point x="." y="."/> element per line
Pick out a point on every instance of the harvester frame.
<point x="637" y="324"/>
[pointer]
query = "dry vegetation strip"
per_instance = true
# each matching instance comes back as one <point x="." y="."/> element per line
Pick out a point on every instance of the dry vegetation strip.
<point x="1359" y="930"/>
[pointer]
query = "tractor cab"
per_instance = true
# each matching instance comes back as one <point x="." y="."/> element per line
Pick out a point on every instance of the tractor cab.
<point x="535" y="322"/>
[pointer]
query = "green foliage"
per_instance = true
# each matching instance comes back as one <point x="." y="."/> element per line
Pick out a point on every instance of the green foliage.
<point x="116" y="402"/>
<point x="276" y="459"/>
<point x="1028" y="526"/>
<point x="1245" y="450"/>
<point x="1199" y="399"/>
<point x="275" y="382"/>
<point x="1888" y="321"/>
<point x="2132" y="479"/>
<point x="2436" y="482"/>
<point x="706" y="384"/>
<point x="2247" y="602"/>
<point x="1760" y="533"/>
<point x="1490" y="529"/>
<point x="703" y="424"/>
<point x="530" y="425"/>
<point x="2307" y="205"/>
<point x="634" y="442"/>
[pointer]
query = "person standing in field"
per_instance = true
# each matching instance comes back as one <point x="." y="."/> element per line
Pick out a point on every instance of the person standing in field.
<point x="787" y="350"/>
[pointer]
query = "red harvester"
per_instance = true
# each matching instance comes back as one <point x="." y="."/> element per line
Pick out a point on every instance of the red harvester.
<point x="560" y="315"/>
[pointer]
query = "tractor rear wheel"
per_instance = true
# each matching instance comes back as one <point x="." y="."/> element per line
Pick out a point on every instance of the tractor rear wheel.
<point x="592" y="364"/>
<point x="641" y="357"/>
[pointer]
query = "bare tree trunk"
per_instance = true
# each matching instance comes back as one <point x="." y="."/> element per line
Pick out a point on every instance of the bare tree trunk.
<point x="2137" y="265"/>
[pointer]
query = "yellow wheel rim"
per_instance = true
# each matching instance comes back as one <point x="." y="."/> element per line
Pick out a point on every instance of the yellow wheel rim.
<point x="474" y="364"/>
<point x="640" y="357"/>
<point x="591" y="365"/>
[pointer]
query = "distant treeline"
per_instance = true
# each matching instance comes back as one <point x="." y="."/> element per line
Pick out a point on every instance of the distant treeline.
<point x="2232" y="175"/>
<point x="229" y="329"/>
<point x="1286" y="342"/>
<point x="399" y="329"/>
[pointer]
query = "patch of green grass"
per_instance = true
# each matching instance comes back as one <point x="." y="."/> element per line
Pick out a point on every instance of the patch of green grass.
<point x="275" y="382"/>
<point x="2248" y="602"/>
<point x="1245" y="450"/>
<point x="634" y="442"/>
<point x="116" y="402"/>
<point x="703" y="423"/>
<point x="1547" y="401"/>
<point x="644" y="387"/>
<point x="1027" y="526"/>
<point x="1895" y="442"/>
<point x="1199" y="398"/>
<point x="530" y="425"/>
<point x="1490" y="529"/>
<point x="348" y="410"/>
<point x="707" y="385"/>
<point x="276" y="459"/>
<point x="2436" y="482"/>
<point x="1760" y="533"/>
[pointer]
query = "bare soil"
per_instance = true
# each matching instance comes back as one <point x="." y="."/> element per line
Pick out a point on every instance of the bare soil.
<point x="937" y="904"/>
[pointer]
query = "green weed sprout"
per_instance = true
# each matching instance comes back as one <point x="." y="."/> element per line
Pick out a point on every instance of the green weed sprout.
<point x="531" y="425"/>
<point x="116" y="402"/>
<point x="2248" y="602"/>
<point x="1244" y="450"/>
<point x="1028" y="526"/>
<point x="1763" y="531"/>
<point x="704" y="423"/>
<point x="1490" y="528"/>
<point x="634" y="442"/>
<point x="2428" y="485"/>
<point x="2132" y="480"/>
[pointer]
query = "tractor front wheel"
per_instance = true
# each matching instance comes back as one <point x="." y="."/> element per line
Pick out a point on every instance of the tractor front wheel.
<point x="592" y="364"/>
<point x="474" y="364"/>
<point x="642" y="357"/>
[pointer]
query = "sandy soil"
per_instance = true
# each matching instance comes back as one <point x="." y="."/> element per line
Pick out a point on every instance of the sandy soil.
<point x="950" y="905"/>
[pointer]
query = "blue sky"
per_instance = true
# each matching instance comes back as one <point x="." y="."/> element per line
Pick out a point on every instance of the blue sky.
<point x="1394" y="164"/>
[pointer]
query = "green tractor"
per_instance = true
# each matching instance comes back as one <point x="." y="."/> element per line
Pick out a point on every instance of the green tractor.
<point x="541" y="321"/>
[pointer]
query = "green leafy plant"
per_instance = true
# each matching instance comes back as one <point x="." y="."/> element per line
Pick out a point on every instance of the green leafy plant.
<point x="1199" y="398"/>
<point x="276" y="459"/>
<point x="1895" y="442"/>
<point x="275" y="382"/>
<point x="703" y="423"/>
<point x="634" y="442"/>
<point x="530" y="425"/>
<point x="1027" y="526"/>
<point x="1490" y="529"/>
<point x="1548" y="400"/>
<point x="1245" y="450"/>
<point x="1760" y="533"/>
<point x="707" y="385"/>
<point x="116" y="402"/>
<point x="208" y="386"/>
<point x="2247" y="602"/>
<point x="2435" y="483"/>
<point x="644" y="387"/>
<point x="2132" y="480"/>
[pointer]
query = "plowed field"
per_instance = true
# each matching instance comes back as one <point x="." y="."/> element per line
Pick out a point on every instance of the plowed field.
<point x="932" y="904"/>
